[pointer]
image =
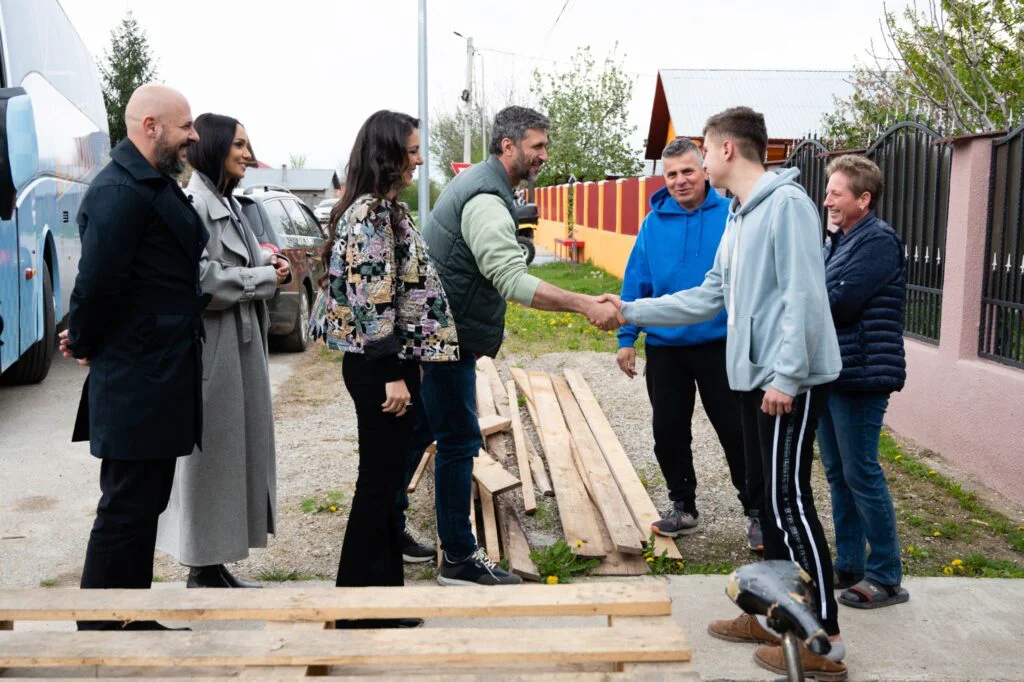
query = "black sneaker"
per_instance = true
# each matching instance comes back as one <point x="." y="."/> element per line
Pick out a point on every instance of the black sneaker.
<point x="676" y="522"/>
<point x="414" y="551"/>
<point x="475" y="570"/>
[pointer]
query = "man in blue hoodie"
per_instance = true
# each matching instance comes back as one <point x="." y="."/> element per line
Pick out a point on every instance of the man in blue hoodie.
<point x="675" y="247"/>
<point x="781" y="354"/>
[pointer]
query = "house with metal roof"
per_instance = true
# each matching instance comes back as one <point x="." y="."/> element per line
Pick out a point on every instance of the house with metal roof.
<point x="793" y="103"/>
<point x="312" y="185"/>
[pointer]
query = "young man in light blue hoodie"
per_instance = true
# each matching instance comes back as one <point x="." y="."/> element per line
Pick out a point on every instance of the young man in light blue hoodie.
<point x="781" y="352"/>
<point x="675" y="247"/>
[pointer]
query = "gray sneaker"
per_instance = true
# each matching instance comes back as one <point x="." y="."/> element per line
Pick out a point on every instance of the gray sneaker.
<point x="676" y="522"/>
<point x="755" y="538"/>
<point x="476" y="569"/>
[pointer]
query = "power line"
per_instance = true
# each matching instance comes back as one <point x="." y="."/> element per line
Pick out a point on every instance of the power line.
<point x="557" y="19"/>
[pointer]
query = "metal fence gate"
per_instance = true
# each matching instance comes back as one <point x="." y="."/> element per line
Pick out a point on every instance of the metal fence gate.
<point x="1001" y="335"/>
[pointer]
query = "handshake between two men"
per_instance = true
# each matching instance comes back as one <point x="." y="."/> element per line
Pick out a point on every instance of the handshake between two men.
<point x="604" y="311"/>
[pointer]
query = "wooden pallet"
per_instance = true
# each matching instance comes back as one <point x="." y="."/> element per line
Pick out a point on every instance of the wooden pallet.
<point x="634" y="628"/>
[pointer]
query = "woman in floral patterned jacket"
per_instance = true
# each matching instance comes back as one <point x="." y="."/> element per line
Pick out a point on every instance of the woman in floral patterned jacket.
<point x="383" y="305"/>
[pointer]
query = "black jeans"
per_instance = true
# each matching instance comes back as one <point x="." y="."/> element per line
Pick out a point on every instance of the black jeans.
<point x="789" y="519"/>
<point x="123" y="537"/>
<point x="371" y="553"/>
<point x="673" y="374"/>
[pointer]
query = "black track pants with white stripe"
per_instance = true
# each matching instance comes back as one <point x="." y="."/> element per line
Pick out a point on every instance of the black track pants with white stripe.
<point x="789" y="519"/>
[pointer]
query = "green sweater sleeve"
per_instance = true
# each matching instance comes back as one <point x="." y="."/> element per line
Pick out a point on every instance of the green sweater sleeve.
<point x="490" y="233"/>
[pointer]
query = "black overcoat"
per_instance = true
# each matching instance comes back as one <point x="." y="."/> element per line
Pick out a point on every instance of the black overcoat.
<point x="136" y="313"/>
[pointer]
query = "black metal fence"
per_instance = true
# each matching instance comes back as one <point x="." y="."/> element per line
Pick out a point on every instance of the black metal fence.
<point x="810" y="157"/>
<point x="915" y="202"/>
<point x="1001" y="336"/>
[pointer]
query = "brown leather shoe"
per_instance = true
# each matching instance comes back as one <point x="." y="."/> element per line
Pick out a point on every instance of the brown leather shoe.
<point x="743" y="628"/>
<point x="815" y="667"/>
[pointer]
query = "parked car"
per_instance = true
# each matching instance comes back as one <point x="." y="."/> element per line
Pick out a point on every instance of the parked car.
<point x="323" y="209"/>
<point x="527" y="216"/>
<point x="285" y="225"/>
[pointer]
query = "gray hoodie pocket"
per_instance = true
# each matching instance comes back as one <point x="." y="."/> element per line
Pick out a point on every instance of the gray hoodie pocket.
<point x="745" y="374"/>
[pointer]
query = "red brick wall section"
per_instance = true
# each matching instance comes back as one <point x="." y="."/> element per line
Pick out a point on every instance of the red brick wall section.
<point x="654" y="183"/>
<point x="592" y="205"/>
<point x="630" y="198"/>
<point x="610" y="202"/>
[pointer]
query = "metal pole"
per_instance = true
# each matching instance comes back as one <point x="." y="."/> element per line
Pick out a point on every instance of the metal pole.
<point x="467" y="125"/>
<point x="424" y="170"/>
<point x="483" y="112"/>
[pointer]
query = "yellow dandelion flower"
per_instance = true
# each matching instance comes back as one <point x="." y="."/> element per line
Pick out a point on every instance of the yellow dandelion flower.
<point x="333" y="508"/>
<point x="936" y="534"/>
<point x="679" y="564"/>
<point x="932" y="472"/>
<point x="650" y="560"/>
<point x="948" y="570"/>
<point x="552" y="580"/>
<point x="958" y="562"/>
<point x="910" y="549"/>
<point x="898" y="457"/>
<point x="579" y="543"/>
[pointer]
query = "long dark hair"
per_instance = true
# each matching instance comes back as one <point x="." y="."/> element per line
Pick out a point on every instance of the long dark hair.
<point x="375" y="166"/>
<point x="216" y="135"/>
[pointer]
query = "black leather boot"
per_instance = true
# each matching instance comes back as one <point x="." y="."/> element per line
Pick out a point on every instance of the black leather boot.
<point x="215" y="576"/>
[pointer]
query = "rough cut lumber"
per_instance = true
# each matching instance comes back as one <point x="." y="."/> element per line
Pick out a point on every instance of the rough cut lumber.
<point x="634" y="598"/>
<point x="493" y="423"/>
<point x="343" y="647"/>
<point x="428" y="457"/>
<point x="485" y="407"/>
<point x="490" y="370"/>
<point x="640" y="506"/>
<point x="540" y="475"/>
<point x="491" y="476"/>
<point x="291" y="671"/>
<point x="582" y="470"/>
<point x="522" y="457"/>
<point x="490" y="525"/>
<point x="536" y="463"/>
<point x="625" y="536"/>
<point x="579" y="523"/>
<point x="517" y="548"/>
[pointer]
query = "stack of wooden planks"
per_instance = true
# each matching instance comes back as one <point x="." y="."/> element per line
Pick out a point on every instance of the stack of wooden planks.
<point x="604" y="509"/>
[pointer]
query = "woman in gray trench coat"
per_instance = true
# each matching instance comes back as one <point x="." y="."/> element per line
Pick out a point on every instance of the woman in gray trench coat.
<point x="222" y="501"/>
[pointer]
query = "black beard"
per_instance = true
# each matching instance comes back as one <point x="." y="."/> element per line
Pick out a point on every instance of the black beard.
<point x="167" y="160"/>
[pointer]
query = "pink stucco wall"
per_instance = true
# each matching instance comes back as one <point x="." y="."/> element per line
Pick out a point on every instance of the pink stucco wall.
<point x="969" y="410"/>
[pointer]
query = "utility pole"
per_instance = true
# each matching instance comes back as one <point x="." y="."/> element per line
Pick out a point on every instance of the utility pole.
<point x="467" y="97"/>
<point x="483" y="112"/>
<point x="424" y="171"/>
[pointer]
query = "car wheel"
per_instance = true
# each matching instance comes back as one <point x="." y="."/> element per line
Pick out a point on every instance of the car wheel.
<point x="526" y="245"/>
<point x="34" y="365"/>
<point x="299" y="338"/>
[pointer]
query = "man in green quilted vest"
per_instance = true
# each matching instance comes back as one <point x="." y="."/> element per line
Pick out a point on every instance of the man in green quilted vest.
<point x="471" y="234"/>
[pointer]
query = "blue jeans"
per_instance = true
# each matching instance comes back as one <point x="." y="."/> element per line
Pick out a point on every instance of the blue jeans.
<point x="862" y="508"/>
<point x="448" y="395"/>
<point x="419" y="438"/>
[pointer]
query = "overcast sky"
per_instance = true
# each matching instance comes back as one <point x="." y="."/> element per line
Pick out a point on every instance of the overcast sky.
<point x="303" y="75"/>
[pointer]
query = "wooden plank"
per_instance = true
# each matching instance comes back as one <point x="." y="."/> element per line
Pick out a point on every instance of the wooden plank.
<point x="633" y="491"/>
<point x="635" y="598"/>
<point x="604" y="490"/>
<point x="291" y="671"/>
<point x="522" y="457"/>
<point x="490" y="520"/>
<point x="540" y="474"/>
<point x="495" y="443"/>
<point x="493" y="423"/>
<point x="428" y="457"/>
<point x="580" y="469"/>
<point x="491" y="476"/>
<point x="678" y="671"/>
<point x="579" y="523"/>
<point x="490" y="370"/>
<point x="517" y="548"/>
<point x="437" y="646"/>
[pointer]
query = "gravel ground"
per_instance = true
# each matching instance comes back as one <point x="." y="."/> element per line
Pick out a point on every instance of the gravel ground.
<point x="317" y="454"/>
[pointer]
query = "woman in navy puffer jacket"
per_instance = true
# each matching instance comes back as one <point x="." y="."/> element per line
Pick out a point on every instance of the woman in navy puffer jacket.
<point x="865" y="273"/>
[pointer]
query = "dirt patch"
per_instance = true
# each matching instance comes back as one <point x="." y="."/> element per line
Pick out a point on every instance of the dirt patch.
<point x="35" y="503"/>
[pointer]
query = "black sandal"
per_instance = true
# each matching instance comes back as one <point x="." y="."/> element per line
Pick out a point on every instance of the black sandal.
<point x="871" y="594"/>
<point x="844" y="580"/>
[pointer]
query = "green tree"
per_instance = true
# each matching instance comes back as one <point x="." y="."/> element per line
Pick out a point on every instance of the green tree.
<point x="446" y="139"/>
<point x="128" y="64"/>
<point x="958" y="65"/>
<point x="296" y="160"/>
<point x="410" y="196"/>
<point x="589" y="112"/>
